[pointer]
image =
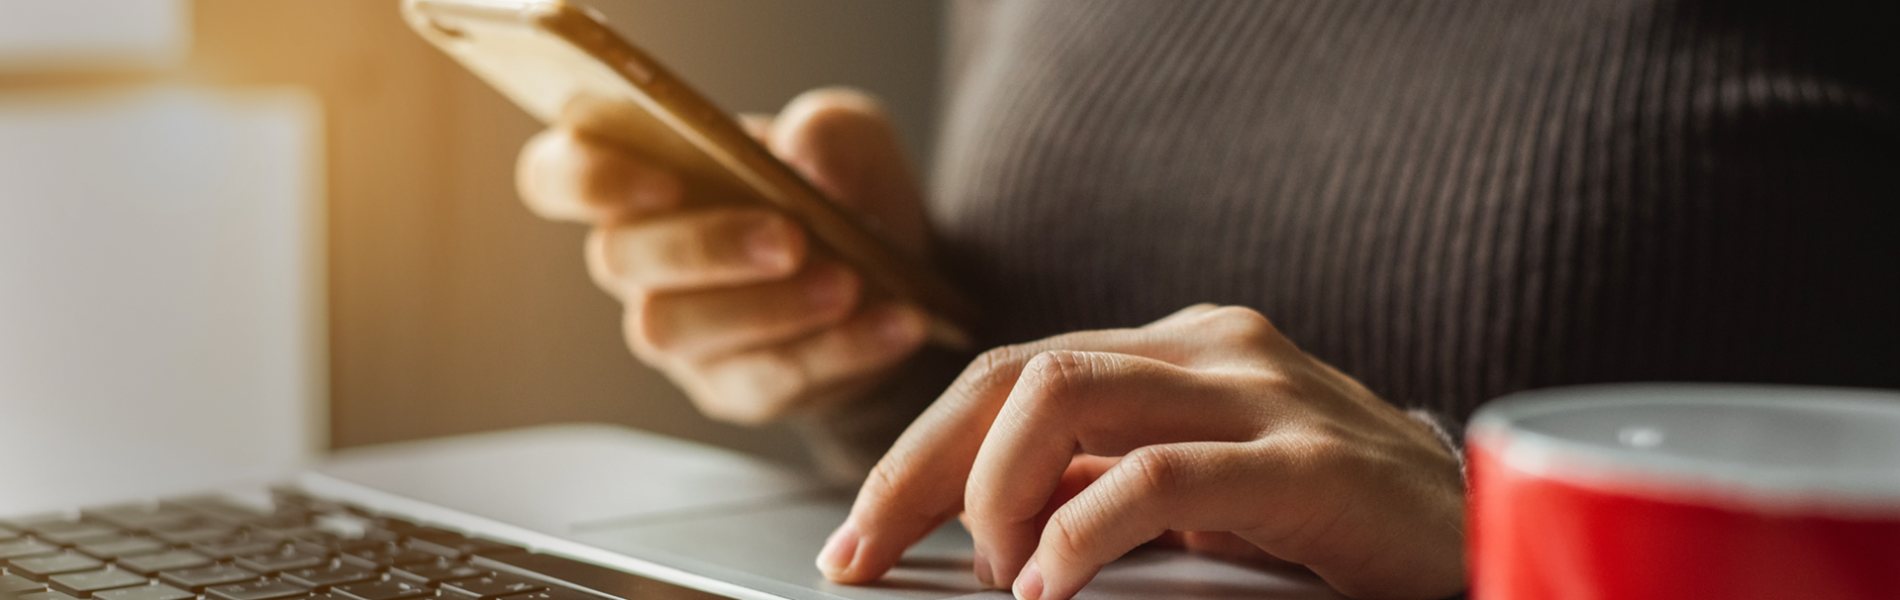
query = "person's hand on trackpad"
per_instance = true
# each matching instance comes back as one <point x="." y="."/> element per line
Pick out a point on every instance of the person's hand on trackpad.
<point x="1208" y="421"/>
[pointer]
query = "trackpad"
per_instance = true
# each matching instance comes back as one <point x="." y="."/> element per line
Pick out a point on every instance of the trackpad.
<point x="771" y="547"/>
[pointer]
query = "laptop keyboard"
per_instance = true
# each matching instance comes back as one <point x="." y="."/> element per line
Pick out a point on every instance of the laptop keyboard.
<point x="211" y="548"/>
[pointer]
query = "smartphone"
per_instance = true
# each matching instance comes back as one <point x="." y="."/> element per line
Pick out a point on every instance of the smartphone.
<point x="562" y="64"/>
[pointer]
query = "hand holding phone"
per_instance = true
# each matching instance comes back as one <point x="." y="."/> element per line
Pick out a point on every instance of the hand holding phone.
<point x="730" y="301"/>
<point x="741" y="278"/>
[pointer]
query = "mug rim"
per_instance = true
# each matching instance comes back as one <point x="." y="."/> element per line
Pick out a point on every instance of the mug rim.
<point x="1497" y="428"/>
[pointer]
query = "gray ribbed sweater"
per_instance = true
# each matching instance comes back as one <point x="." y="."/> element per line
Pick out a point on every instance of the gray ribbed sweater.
<point x="1448" y="199"/>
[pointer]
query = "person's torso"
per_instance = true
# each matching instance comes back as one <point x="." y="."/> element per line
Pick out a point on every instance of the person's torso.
<point x="1449" y="200"/>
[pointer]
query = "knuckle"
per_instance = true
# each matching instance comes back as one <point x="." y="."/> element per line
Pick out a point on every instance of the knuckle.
<point x="839" y="107"/>
<point x="1071" y="539"/>
<point x="1243" y="325"/>
<point x="644" y="325"/>
<point x="992" y="367"/>
<point x="685" y="248"/>
<point x="881" y="483"/>
<point x="903" y="476"/>
<point x="779" y="382"/>
<point x="606" y="181"/>
<point x="706" y="399"/>
<point x="888" y="483"/>
<point x="1153" y="472"/>
<point x="1280" y="383"/>
<point x="658" y="188"/>
<point x="756" y="388"/>
<point x="887" y="490"/>
<point x="1054" y="377"/>
<point x="531" y="172"/>
<point x="791" y="235"/>
<point x="601" y="267"/>
<point x="990" y="360"/>
<point x="842" y="290"/>
<point x="550" y="206"/>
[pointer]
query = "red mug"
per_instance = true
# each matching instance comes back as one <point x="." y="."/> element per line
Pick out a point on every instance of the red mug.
<point x="1686" y="491"/>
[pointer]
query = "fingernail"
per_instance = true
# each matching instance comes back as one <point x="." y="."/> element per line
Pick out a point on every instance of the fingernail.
<point x="835" y="559"/>
<point x="981" y="564"/>
<point x="901" y="326"/>
<point x="1029" y="583"/>
<point x="827" y="286"/>
<point x="765" y="244"/>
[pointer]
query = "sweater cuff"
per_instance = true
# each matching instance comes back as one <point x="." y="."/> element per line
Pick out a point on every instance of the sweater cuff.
<point x="1450" y="432"/>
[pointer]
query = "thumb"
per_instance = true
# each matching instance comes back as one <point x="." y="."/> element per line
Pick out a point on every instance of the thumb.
<point x="842" y="141"/>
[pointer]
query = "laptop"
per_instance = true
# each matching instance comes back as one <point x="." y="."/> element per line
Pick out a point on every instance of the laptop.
<point x="561" y="512"/>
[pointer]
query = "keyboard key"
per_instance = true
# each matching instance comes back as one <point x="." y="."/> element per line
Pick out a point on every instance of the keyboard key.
<point x="328" y="575"/>
<point x="27" y="522"/>
<point x="285" y="495"/>
<point x="71" y="532"/>
<point x="392" y="589"/>
<point x="437" y="572"/>
<point x="24" y="547"/>
<point x="342" y="538"/>
<point x="202" y="577"/>
<point x="341" y="525"/>
<point x="263" y="589"/>
<point x="564" y="594"/>
<point x="456" y="546"/>
<point x="187" y="532"/>
<point x="312" y="548"/>
<point x="300" y="532"/>
<point x="41" y="567"/>
<point x="117" y="546"/>
<point x="87" y="582"/>
<point x="283" y="558"/>
<point x="241" y="543"/>
<point x="216" y="507"/>
<point x="312" y="538"/>
<point x="47" y="596"/>
<point x="140" y="517"/>
<point x="385" y="555"/>
<point x="623" y="584"/>
<point x="399" y="526"/>
<point x="384" y="536"/>
<point x="15" y="584"/>
<point x="156" y="591"/>
<point x="286" y="521"/>
<point x="163" y="561"/>
<point x="336" y="545"/>
<point x="494" y="585"/>
<point x="286" y="510"/>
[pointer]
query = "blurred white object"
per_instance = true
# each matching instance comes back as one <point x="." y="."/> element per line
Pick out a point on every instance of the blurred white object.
<point x="161" y="317"/>
<point x="39" y="35"/>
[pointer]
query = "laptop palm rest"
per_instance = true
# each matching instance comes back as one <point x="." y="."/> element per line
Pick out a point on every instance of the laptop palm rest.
<point x="723" y="516"/>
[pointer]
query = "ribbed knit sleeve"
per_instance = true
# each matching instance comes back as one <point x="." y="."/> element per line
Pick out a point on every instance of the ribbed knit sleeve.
<point x="1450" y="200"/>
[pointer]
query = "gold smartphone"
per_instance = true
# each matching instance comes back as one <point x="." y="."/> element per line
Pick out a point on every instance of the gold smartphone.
<point x="562" y="64"/>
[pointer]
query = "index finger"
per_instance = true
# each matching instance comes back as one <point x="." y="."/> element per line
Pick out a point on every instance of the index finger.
<point x="919" y="484"/>
<point x="565" y="175"/>
<point x="1094" y="403"/>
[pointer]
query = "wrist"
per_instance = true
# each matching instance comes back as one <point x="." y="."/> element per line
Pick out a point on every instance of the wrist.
<point x="1449" y="432"/>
